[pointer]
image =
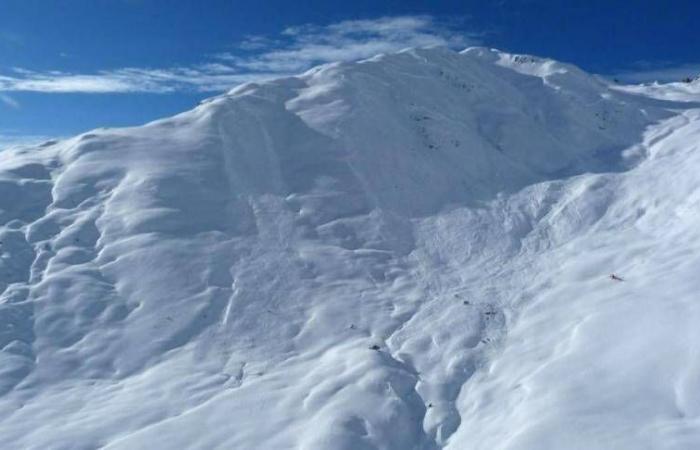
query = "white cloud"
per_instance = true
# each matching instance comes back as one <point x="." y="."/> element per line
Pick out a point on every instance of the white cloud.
<point x="210" y="77"/>
<point x="10" y="139"/>
<point x="252" y="43"/>
<point x="294" y="50"/>
<point x="304" y="46"/>
<point x="9" y="101"/>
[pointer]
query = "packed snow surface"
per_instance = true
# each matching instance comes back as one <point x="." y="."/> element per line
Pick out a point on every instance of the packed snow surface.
<point x="408" y="252"/>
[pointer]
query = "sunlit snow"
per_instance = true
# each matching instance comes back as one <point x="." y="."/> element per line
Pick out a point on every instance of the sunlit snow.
<point x="408" y="252"/>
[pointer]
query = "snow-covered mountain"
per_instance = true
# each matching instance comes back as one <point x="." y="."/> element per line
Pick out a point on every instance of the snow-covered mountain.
<point x="408" y="252"/>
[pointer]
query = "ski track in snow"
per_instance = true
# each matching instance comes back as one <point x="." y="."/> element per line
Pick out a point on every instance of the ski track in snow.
<point x="409" y="252"/>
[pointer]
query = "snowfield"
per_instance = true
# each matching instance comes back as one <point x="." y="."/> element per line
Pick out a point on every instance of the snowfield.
<point x="407" y="252"/>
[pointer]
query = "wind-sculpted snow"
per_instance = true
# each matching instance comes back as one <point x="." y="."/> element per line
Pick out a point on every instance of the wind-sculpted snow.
<point x="409" y="252"/>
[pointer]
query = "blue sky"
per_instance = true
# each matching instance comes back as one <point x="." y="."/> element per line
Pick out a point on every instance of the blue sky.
<point x="67" y="66"/>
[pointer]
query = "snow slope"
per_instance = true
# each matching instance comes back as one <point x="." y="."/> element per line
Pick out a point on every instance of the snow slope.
<point x="409" y="252"/>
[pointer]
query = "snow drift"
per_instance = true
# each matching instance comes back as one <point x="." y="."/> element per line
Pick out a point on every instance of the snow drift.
<point x="408" y="252"/>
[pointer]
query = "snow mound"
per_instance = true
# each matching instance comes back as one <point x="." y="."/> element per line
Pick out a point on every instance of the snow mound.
<point x="407" y="252"/>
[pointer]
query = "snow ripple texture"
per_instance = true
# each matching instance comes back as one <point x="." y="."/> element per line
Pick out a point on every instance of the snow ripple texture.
<point x="408" y="252"/>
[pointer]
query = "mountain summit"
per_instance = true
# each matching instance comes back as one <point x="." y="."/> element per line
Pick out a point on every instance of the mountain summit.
<point x="408" y="252"/>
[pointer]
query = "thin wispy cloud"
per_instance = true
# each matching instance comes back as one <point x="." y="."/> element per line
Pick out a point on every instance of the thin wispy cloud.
<point x="207" y="77"/>
<point x="10" y="139"/>
<point x="299" y="48"/>
<point x="293" y="50"/>
<point x="9" y="101"/>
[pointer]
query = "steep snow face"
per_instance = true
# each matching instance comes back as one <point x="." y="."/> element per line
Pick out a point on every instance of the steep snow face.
<point x="409" y="252"/>
<point x="594" y="363"/>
